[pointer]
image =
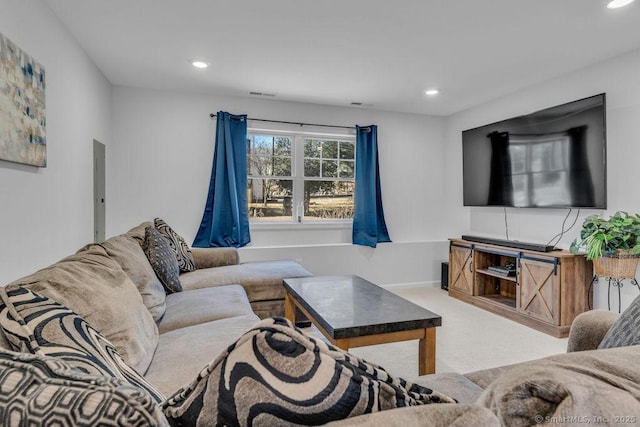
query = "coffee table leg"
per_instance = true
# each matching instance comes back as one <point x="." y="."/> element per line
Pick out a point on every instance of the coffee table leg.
<point x="427" y="352"/>
<point x="342" y="344"/>
<point x="289" y="308"/>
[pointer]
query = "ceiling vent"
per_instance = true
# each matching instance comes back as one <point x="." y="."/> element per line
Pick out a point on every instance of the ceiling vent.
<point x="271" y="95"/>
<point x="356" y="103"/>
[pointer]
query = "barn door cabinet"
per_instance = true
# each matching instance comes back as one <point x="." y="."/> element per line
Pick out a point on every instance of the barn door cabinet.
<point x="461" y="261"/>
<point x="547" y="291"/>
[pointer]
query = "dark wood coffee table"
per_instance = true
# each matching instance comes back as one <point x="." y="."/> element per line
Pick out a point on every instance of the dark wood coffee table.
<point x="352" y="312"/>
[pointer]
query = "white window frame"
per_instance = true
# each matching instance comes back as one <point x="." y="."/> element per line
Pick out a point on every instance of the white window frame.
<point x="297" y="175"/>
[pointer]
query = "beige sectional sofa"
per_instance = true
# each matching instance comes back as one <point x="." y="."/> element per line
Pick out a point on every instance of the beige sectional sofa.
<point x="170" y="338"/>
<point x="167" y="337"/>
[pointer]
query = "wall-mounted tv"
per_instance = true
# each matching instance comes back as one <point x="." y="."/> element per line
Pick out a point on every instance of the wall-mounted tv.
<point x="552" y="158"/>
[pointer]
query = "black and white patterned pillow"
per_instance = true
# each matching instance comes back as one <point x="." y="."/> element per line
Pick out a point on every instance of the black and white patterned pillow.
<point x="38" y="325"/>
<point x="163" y="259"/>
<point x="276" y="375"/>
<point x="178" y="244"/>
<point x="41" y="390"/>
<point x="626" y="329"/>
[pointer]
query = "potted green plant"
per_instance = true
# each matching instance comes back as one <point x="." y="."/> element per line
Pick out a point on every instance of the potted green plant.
<point x="613" y="244"/>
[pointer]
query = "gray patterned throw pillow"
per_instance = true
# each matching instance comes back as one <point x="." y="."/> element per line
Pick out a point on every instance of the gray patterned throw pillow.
<point x="38" y="325"/>
<point x="276" y="375"/>
<point x="163" y="259"/>
<point x="42" y="390"/>
<point x="626" y="330"/>
<point x="177" y="243"/>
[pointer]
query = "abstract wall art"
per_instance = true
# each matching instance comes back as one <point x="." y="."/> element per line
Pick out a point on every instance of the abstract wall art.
<point x="22" y="107"/>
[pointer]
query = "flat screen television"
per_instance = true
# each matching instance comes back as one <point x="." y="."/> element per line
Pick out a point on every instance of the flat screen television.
<point x="552" y="158"/>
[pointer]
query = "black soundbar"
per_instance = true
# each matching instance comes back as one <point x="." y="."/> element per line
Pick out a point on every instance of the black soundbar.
<point x="537" y="247"/>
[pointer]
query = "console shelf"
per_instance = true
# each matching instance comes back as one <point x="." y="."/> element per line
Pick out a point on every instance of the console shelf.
<point x="489" y="273"/>
<point x="547" y="292"/>
<point x="499" y="299"/>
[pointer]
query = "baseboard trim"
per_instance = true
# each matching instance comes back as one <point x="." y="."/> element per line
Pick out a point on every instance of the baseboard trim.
<point x="411" y="284"/>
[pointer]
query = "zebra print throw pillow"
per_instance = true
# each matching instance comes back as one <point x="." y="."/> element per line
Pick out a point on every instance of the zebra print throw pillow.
<point x="38" y="325"/>
<point x="177" y="243"/>
<point x="41" y="390"/>
<point x="163" y="259"/>
<point x="276" y="375"/>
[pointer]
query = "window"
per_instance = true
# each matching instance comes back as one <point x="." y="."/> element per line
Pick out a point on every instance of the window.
<point x="270" y="177"/>
<point x="300" y="177"/>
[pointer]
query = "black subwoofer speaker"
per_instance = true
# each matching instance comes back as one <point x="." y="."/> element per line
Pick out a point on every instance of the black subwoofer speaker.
<point x="444" y="276"/>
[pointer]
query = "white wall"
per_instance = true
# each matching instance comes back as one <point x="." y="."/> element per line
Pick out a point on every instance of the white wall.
<point x="619" y="79"/>
<point x="47" y="213"/>
<point x="159" y="149"/>
<point x="160" y="163"/>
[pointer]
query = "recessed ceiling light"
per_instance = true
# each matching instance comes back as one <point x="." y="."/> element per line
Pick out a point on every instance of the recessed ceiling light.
<point x="614" y="4"/>
<point x="432" y="92"/>
<point x="199" y="63"/>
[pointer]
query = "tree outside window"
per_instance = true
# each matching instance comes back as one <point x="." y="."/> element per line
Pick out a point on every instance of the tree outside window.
<point x="321" y="190"/>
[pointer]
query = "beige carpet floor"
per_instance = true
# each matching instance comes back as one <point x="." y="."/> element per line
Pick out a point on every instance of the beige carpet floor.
<point x="469" y="339"/>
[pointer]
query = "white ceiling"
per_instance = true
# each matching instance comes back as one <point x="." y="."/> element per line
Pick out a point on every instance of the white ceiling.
<point x="378" y="52"/>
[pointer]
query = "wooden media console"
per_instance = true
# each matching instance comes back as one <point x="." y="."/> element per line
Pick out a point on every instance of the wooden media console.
<point x="547" y="291"/>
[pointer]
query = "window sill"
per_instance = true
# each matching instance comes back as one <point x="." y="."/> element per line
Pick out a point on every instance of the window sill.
<point x="290" y="225"/>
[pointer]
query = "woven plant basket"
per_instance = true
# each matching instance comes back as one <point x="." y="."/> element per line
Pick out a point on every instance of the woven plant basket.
<point x="622" y="265"/>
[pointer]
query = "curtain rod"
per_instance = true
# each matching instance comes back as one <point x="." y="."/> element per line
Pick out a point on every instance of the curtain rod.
<point x="212" y="115"/>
